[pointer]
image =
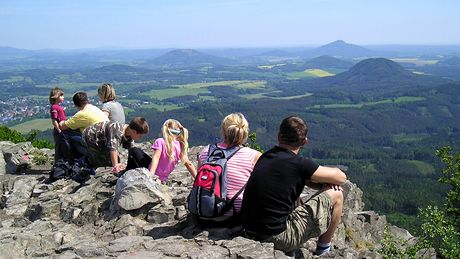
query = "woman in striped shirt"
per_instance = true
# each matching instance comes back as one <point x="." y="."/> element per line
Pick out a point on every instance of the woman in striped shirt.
<point x="234" y="131"/>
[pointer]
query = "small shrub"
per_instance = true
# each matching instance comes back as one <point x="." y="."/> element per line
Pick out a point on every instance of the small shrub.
<point x="39" y="158"/>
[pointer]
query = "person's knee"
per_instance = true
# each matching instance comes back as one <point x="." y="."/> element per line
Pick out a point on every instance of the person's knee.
<point x="336" y="195"/>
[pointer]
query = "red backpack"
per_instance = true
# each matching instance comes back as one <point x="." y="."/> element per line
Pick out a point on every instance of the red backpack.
<point x="208" y="197"/>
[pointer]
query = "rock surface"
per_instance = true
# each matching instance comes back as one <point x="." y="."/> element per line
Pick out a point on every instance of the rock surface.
<point x="136" y="216"/>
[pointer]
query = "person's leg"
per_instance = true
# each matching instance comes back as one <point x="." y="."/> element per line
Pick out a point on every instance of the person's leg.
<point x="137" y="158"/>
<point x="75" y="139"/>
<point x="311" y="219"/>
<point x="57" y="146"/>
<point x="324" y="241"/>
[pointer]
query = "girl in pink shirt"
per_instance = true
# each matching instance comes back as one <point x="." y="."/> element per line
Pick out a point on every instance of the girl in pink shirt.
<point x="168" y="150"/>
<point x="57" y="113"/>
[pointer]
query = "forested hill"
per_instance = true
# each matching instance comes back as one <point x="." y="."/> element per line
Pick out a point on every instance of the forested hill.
<point x="376" y="75"/>
<point x="187" y="57"/>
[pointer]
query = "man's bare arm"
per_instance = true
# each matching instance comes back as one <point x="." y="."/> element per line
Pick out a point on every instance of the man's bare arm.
<point x="330" y="175"/>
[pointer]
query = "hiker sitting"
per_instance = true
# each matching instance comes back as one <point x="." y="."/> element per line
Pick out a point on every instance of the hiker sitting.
<point x="234" y="132"/>
<point x="103" y="139"/>
<point x="73" y="127"/>
<point x="167" y="152"/>
<point x="269" y="212"/>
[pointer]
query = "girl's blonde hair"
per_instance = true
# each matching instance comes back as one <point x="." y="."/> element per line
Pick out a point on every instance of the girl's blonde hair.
<point x="234" y="129"/>
<point x="172" y="129"/>
<point x="55" y="93"/>
<point x="106" y="92"/>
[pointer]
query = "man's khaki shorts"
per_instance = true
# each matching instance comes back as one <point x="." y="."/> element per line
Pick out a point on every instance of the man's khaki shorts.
<point x="309" y="220"/>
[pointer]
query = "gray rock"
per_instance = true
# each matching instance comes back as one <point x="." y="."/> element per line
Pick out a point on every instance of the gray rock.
<point x="142" y="255"/>
<point x="2" y="165"/>
<point x="127" y="244"/>
<point x="129" y="226"/>
<point x="136" y="189"/>
<point x="18" y="200"/>
<point x="17" y="157"/>
<point x="426" y="253"/>
<point x="174" y="246"/>
<point x="161" y="214"/>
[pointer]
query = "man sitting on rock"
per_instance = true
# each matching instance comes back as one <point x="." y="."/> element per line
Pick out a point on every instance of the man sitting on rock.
<point x="278" y="179"/>
<point x="87" y="115"/>
<point x="104" y="138"/>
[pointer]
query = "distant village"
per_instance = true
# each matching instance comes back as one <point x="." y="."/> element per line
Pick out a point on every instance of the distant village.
<point x="20" y="108"/>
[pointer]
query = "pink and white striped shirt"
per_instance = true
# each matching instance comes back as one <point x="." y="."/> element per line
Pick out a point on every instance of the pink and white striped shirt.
<point x="239" y="168"/>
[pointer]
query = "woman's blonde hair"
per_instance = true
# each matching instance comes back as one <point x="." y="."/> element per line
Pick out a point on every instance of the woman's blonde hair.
<point x="106" y="92"/>
<point x="234" y="129"/>
<point x="173" y="129"/>
<point x="55" y="93"/>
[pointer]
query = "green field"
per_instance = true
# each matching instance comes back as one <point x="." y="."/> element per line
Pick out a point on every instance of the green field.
<point x="408" y="138"/>
<point x="271" y="66"/>
<point x="234" y="83"/>
<point x="422" y="167"/>
<point x="264" y="95"/>
<point x="416" y="61"/>
<point x="309" y="73"/>
<point x="201" y="88"/>
<point x="35" y="124"/>
<point x="402" y="99"/>
<point x="14" y="79"/>
<point x="161" y="107"/>
<point x="161" y="94"/>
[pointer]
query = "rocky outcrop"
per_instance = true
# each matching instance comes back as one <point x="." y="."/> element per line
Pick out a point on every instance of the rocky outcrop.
<point x="136" y="216"/>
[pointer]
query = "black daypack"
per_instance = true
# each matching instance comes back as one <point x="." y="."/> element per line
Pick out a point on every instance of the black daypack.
<point x="208" y="197"/>
<point x="78" y="170"/>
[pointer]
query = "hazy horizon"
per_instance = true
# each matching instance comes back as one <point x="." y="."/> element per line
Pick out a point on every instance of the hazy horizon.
<point x="142" y="24"/>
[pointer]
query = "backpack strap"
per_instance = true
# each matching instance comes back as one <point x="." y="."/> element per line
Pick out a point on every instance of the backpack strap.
<point x="232" y="200"/>
<point x="226" y="153"/>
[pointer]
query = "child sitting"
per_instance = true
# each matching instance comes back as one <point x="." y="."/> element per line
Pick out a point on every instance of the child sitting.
<point x="167" y="151"/>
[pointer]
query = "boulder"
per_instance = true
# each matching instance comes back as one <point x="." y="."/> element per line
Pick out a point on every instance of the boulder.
<point x="17" y="157"/>
<point x="136" y="188"/>
<point x="18" y="200"/>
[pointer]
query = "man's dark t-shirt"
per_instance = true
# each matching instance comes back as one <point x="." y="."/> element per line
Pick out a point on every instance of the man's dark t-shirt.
<point x="275" y="184"/>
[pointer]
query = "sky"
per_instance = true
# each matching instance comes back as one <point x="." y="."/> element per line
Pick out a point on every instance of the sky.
<point x="65" y="24"/>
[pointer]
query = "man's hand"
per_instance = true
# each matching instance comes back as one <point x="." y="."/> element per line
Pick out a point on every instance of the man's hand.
<point x="118" y="168"/>
<point x="336" y="187"/>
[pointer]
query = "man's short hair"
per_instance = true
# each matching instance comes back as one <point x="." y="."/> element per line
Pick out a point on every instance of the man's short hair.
<point x="293" y="131"/>
<point x="80" y="99"/>
<point x="139" y="125"/>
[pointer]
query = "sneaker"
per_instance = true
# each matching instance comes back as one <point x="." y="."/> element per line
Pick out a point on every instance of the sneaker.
<point x="82" y="176"/>
<point x="320" y="250"/>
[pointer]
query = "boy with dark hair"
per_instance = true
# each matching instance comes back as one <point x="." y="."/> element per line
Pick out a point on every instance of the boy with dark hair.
<point x="104" y="138"/>
<point x="278" y="179"/>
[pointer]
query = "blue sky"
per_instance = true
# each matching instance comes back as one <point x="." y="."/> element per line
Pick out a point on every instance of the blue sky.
<point x="38" y="24"/>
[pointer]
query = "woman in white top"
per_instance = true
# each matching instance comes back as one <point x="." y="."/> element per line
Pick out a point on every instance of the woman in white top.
<point x="110" y="107"/>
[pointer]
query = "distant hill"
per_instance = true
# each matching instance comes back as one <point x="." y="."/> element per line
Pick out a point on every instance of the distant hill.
<point x="328" y="62"/>
<point x="9" y="52"/>
<point x="452" y="61"/>
<point x="188" y="57"/>
<point x="340" y="48"/>
<point x="446" y="68"/>
<point x="373" y="74"/>
<point x="276" y="53"/>
<point x="119" y="68"/>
